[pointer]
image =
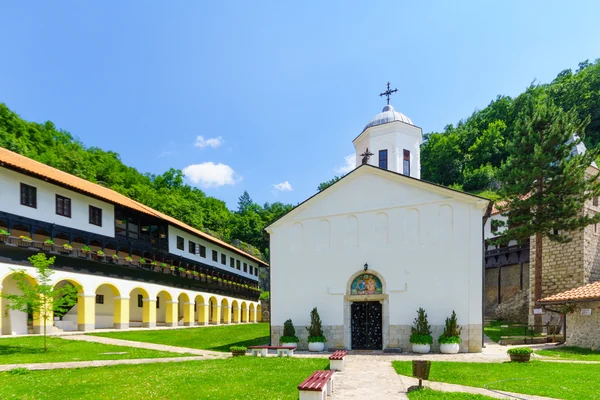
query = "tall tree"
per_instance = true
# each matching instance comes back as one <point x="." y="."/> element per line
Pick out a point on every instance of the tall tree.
<point x="545" y="185"/>
<point x="41" y="297"/>
<point x="244" y="202"/>
<point x="324" y="185"/>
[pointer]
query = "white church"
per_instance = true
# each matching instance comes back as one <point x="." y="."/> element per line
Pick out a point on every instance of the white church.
<point x="378" y="244"/>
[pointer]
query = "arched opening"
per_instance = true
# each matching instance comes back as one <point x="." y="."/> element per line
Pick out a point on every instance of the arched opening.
<point x="244" y="312"/>
<point x="252" y="314"/>
<point x="235" y="312"/>
<point x="164" y="309"/>
<point x="14" y="322"/>
<point x="214" y="311"/>
<point x="140" y="312"/>
<point x="201" y="310"/>
<point x="72" y="317"/>
<point x="258" y="313"/>
<point x="225" y="312"/>
<point x="107" y="306"/>
<point x="186" y="310"/>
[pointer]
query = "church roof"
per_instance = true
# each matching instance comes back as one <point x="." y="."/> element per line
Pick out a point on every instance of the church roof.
<point x="366" y="167"/>
<point x="387" y="115"/>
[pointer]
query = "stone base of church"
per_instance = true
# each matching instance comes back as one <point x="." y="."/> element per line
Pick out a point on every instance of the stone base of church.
<point x="397" y="338"/>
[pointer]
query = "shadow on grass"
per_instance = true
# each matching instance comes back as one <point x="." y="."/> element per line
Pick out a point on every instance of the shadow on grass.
<point x="251" y="342"/>
<point x="8" y="350"/>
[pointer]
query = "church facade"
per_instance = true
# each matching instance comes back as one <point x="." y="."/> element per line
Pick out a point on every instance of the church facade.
<point x="378" y="244"/>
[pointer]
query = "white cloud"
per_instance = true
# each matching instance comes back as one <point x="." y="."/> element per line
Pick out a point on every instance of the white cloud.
<point x="210" y="142"/>
<point x="349" y="164"/>
<point x="283" y="187"/>
<point x="209" y="174"/>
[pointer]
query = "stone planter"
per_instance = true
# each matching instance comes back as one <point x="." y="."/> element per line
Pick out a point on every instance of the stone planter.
<point x="316" y="346"/>
<point x="238" y="353"/>
<point x="421" y="348"/>
<point x="520" y="357"/>
<point x="449" y="348"/>
<point x="294" y="345"/>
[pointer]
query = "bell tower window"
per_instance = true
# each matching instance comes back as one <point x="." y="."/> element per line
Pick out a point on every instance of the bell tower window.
<point x="383" y="159"/>
<point x="406" y="164"/>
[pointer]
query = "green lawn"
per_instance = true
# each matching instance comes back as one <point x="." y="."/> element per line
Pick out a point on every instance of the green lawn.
<point x="23" y="350"/>
<point x="571" y="353"/>
<point x="218" y="338"/>
<point x="427" y="394"/>
<point x="494" y="330"/>
<point x="558" y="380"/>
<point x="233" y="378"/>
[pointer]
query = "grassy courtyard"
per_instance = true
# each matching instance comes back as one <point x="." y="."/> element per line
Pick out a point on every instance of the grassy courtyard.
<point x="234" y="378"/>
<point x="558" y="380"/>
<point x="217" y="338"/>
<point x="427" y="394"/>
<point x="23" y="350"/>
<point x="571" y="353"/>
<point x="494" y="330"/>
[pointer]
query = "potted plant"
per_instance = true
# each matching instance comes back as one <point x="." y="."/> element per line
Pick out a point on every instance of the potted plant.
<point x="114" y="259"/>
<point x="142" y="261"/>
<point x="66" y="249"/>
<point x="450" y="340"/>
<point x="48" y="244"/>
<point x="520" y="354"/>
<point x="238" y="351"/>
<point x="420" y="336"/>
<point x="181" y="271"/>
<point x="85" y="251"/>
<point x="289" y="337"/>
<point x="203" y="277"/>
<point x="25" y="241"/>
<point x="99" y="255"/>
<point x="129" y="259"/>
<point x="3" y="235"/>
<point x="196" y="275"/>
<point x="316" y="339"/>
<point x="165" y="268"/>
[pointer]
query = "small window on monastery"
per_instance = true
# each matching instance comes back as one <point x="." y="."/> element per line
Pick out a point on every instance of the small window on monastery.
<point x="140" y="301"/>
<point x="231" y="262"/>
<point x="251" y="270"/>
<point x="192" y="247"/>
<point x="256" y="271"/>
<point x="202" y="251"/>
<point x="63" y="206"/>
<point x="180" y="243"/>
<point x="99" y="299"/>
<point x="95" y="216"/>
<point x="223" y="259"/>
<point x="245" y="267"/>
<point x="215" y="256"/>
<point x="28" y="196"/>
<point x="237" y="264"/>
<point x="383" y="159"/>
<point x="406" y="164"/>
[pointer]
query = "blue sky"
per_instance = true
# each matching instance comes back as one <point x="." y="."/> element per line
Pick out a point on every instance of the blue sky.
<point x="276" y="90"/>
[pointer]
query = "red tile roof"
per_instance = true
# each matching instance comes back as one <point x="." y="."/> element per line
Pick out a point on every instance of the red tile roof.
<point x="46" y="172"/>
<point x="587" y="292"/>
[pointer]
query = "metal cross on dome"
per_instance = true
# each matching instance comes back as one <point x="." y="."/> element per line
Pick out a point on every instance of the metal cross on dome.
<point x="388" y="92"/>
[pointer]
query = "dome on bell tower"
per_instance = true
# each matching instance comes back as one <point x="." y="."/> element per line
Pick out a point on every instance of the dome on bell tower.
<point x="386" y="116"/>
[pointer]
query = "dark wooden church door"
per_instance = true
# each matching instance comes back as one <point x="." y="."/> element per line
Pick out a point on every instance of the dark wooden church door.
<point x="366" y="320"/>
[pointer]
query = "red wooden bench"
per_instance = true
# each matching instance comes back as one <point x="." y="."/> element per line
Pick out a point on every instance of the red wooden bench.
<point x="263" y="350"/>
<point x="336" y="360"/>
<point x="317" y="386"/>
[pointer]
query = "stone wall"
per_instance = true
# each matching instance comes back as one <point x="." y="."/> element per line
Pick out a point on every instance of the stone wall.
<point x="591" y="257"/>
<point x="399" y="336"/>
<point x="583" y="331"/>
<point x="265" y="307"/>
<point x="510" y="286"/>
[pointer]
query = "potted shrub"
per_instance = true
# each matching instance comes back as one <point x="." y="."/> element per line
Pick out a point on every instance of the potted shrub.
<point x="85" y="251"/>
<point x="66" y="249"/>
<point x="165" y="268"/>
<point x="129" y="259"/>
<point x="114" y="259"/>
<point x="196" y="275"/>
<point x="520" y="354"/>
<point x="420" y="336"/>
<point x="450" y="340"/>
<point x="316" y="339"/>
<point x="181" y="271"/>
<point x="238" y="351"/>
<point x="289" y="337"/>
<point x="99" y="255"/>
<point x="48" y="244"/>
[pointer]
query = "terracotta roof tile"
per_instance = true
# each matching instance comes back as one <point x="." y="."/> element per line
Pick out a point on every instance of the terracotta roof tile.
<point x="44" y="171"/>
<point x="587" y="292"/>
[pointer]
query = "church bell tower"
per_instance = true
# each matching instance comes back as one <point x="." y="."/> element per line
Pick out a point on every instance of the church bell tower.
<point x="390" y="141"/>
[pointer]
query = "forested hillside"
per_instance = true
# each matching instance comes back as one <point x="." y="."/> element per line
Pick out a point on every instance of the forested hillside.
<point x="166" y="193"/>
<point x="467" y="156"/>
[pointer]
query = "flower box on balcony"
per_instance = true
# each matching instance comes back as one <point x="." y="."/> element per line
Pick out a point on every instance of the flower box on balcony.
<point x="25" y="241"/>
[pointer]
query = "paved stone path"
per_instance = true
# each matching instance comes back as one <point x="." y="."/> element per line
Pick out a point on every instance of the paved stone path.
<point x="207" y="354"/>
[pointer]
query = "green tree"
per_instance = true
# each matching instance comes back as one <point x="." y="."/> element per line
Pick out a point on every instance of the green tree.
<point x="544" y="184"/>
<point x="40" y="297"/>
<point x="324" y="185"/>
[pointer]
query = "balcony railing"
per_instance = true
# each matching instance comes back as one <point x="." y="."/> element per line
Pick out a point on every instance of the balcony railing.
<point x="183" y="273"/>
